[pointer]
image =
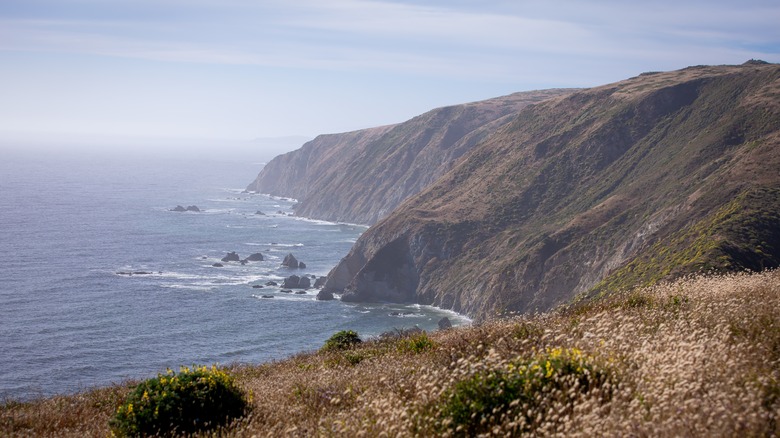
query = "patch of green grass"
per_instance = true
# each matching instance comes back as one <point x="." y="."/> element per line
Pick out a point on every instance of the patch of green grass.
<point x="740" y="235"/>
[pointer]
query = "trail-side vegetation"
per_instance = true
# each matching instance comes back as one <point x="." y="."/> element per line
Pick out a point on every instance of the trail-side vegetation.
<point x="696" y="357"/>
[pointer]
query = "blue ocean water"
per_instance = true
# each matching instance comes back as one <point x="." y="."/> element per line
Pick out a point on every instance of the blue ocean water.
<point x="71" y="222"/>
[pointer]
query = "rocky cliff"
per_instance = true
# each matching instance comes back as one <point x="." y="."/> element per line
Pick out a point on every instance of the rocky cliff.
<point x="629" y="183"/>
<point x="362" y="176"/>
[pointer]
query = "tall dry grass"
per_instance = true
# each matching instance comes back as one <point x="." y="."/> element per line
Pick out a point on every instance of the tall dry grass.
<point x="697" y="357"/>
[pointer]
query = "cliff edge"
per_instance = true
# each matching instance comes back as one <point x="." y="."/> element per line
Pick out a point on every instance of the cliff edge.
<point x="621" y="185"/>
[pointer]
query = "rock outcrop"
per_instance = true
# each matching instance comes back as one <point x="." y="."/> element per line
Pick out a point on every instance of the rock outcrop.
<point x="625" y="184"/>
<point x="231" y="257"/>
<point x="291" y="262"/>
<point x="256" y="257"/>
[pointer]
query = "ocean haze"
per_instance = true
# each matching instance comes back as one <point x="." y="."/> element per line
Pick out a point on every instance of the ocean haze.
<point x="72" y="222"/>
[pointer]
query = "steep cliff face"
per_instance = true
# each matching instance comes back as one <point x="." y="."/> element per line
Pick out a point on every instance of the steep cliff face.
<point x="362" y="176"/>
<point x="624" y="184"/>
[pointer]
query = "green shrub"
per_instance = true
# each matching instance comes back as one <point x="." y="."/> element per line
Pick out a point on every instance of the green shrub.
<point x="342" y="340"/>
<point x="416" y="343"/>
<point x="195" y="399"/>
<point x="478" y="403"/>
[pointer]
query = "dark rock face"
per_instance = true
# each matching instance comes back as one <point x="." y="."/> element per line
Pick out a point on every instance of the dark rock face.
<point x="445" y="323"/>
<point x="256" y="257"/>
<point x="324" y="295"/>
<point x="301" y="265"/>
<point x="389" y="276"/>
<point x="290" y="261"/>
<point x="193" y="208"/>
<point x="300" y="292"/>
<point x="257" y="286"/>
<point x="271" y="283"/>
<point x="296" y="282"/>
<point x="179" y="208"/>
<point x="291" y="282"/>
<point x="231" y="257"/>
<point x="320" y="282"/>
<point x="217" y="265"/>
<point x="266" y="296"/>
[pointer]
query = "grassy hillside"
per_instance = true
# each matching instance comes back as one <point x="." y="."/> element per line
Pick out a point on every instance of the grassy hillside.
<point x="697" y="357"/>
<point x="645" y="179"/>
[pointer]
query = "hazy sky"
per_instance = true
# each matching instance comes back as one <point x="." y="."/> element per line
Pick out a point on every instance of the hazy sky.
<point x="242" y="69"/>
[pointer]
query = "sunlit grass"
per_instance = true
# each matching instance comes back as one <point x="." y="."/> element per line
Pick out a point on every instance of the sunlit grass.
<point x="697" y="357"/>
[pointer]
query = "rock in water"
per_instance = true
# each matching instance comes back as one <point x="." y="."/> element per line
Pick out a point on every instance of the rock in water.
<point x="256" y="257"/>
<point x="217" y="265"/>
<point x="324" y="295"/>
<point x="445" y="323"/>
<point x="178" y="208"/>
<point x="193" y="208"/>
<point x="304" y="283"/>
<point x="320" y="282"/>
<point x="259" y="213"/>
<point x="231" y="257"/>
<point x="290" y="261"/>
<point x="291" y="282"/>
<point x="302" y="265"/>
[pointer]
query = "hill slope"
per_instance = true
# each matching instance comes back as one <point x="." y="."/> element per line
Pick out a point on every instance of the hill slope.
<point x="694" y="358"/>
<point x="615" y="186"/>
<point x="363" y="175"/>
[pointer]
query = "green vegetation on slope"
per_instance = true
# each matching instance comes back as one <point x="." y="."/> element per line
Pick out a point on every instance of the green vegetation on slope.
<point x="697" y="357"/>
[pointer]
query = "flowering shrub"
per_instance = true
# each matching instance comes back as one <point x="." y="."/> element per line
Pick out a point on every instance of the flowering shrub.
<point x="510" y="393"/>
<point x="195" y="399"/>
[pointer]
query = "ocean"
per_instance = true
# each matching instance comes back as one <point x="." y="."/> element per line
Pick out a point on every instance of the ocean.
<point x="73" y="225"/>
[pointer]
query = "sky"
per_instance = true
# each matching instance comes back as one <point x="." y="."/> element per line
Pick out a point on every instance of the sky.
<point x="243" y="69"/>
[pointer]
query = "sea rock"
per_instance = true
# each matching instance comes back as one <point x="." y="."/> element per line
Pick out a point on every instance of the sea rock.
<point x="445" y="323"/>
<point x="193" y="208"/>
<point x="319" y="282"/>
<point x="257" y="286"/>
<point x="231" y="257"/>
<point x="291" y="282"/>
<point x="217" y="265"/>
<point x="304" y="283"/>
<point x="178" y="208"/>
<point x="243" y="262"/>
<point x="271" y="283"/>
<point x="287" y="291"/>
<point x="324" y="295"/>
<point x="290" y="261"/>
<point x="266" y="296"/>
<point x="259" y="213"/>
<point x="302" y="265"/>
<point x="300" y="292"/>
<point x="256" y="257"/>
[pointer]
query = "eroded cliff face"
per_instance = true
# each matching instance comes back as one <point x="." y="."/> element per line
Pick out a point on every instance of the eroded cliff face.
<point x="361" y="176"/>
<point x="606" y="188"/>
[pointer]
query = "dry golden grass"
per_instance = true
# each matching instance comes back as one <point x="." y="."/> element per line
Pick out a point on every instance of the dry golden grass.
<point x="697" y="357"/>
